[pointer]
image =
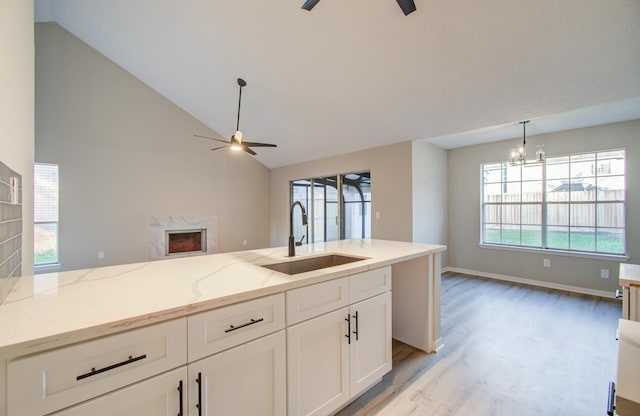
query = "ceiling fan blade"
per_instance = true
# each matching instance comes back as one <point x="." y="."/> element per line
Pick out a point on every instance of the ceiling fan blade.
<point x="407" y="6"/>
<point x="309" y="4"/>
<point x="248" y="150"/>
<point x="211" y="138"/>
<point x="220" y="147"/>
<point x="255" y="144"/>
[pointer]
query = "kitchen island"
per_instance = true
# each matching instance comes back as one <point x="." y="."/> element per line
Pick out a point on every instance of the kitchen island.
<point x="46" y="312"/>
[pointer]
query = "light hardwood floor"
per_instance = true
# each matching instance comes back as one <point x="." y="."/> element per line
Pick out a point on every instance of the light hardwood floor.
<point x="509" y="349"/>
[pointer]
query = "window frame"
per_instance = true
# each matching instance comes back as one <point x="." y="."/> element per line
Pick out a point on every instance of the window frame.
<point x="544" y="203"/>
<point x="311" y="232"/>
<point x="56" y="263"/>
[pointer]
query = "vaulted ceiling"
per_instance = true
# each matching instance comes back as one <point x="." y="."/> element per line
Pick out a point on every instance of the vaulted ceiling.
<point x="355" y="74"/>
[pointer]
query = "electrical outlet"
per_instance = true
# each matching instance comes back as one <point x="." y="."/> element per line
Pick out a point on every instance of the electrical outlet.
<point x="377" y="215"/>
<point x="604" y="273"/>
<point x="546" y="262"/>
<point x="100" y="255"/>
<point x="244" y="242"/>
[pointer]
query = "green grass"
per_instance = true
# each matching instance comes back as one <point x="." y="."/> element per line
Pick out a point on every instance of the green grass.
<point x="607" y="243"/>
<point x="45" y="257"/>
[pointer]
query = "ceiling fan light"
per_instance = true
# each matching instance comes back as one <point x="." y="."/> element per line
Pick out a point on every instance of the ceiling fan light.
<point x="236" y="147"/>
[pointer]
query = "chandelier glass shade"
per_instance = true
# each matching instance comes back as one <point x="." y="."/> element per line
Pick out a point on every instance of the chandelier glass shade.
<point x="519" y="154"/>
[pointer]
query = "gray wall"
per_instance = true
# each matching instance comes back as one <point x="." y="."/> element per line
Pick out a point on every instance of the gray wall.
<point x="390" y="168"/>
<point x="399" y="173"/>
<point x="429" y="192"/>
<point x="126" y="153"/>
<point x="16" y="108"/>
<point x="464" y="209"/>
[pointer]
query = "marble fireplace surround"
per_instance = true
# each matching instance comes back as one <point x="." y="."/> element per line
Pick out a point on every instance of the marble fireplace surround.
<point x="160" y="225"/>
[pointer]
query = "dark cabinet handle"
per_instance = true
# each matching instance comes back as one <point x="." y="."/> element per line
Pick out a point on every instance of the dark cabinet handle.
<point x="199" y="404"/>
<point x="355" y="316"/>
<point x="180" y="413"/>
<point x="94" y="372"/>
<point x="251" y="322"/>
<point x="611" y="400"/>
<point x="619" y="294"/>
<point x="348" y="328"/>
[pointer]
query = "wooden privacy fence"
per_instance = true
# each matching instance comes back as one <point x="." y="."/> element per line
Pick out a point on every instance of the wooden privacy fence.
<point x="583" y="212"/>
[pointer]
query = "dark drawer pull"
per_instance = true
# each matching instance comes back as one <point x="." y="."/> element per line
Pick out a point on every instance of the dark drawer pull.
<point x="199" y="404"/>
<point x="348" y="319"/>
<point x="181" y="413"/>
<point x="251" y="322"/>
<point x="611" y="400"/>
<point x="94" y="372"/>
<point x="355" y="316"/>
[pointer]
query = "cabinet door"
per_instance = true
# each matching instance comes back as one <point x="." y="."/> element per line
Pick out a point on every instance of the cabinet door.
<point x="249" y="379"/>
<point x="370" y="353"/>
<point x="162" y="395"/>
<point x="318" y="365"/>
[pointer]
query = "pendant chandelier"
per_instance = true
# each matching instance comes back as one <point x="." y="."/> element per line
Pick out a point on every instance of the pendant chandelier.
<point x="519" y="154"/>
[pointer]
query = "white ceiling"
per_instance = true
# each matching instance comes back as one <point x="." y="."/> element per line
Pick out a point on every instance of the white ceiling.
<point x="356" y="74"/>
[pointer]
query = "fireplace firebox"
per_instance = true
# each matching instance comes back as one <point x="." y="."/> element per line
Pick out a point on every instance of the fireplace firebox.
<point x="185" y="241"/>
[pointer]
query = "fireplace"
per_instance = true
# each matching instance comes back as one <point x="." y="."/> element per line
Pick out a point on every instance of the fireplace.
<point x="185" y="241"/>
<point x="182" y="236"/>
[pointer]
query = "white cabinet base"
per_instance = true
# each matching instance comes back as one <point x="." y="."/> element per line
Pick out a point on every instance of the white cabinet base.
<point x="249" y="379"/>
<point x="158" y="396"/>
<point x="318" y="365"/>
<point x="326" y="368"/>
<point x="370" y="356"/>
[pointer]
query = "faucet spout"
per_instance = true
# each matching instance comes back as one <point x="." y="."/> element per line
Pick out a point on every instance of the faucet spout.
<point x="292" y="241"/>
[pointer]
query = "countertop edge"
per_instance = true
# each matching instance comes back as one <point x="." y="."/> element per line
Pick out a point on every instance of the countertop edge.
<point x="48" y="342"/>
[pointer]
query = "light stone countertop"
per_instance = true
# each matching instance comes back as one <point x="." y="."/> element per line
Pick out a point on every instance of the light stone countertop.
<point x="54" y="309"/>
<point x="628" y="382"/>
<point x="629" y="274"/>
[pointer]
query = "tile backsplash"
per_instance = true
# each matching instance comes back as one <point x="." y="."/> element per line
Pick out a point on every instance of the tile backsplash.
<point x="10" y="229"/>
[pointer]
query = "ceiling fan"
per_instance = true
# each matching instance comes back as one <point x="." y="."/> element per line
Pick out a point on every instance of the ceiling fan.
<point x="236" y="142"/>
<point x="407" y="6"/>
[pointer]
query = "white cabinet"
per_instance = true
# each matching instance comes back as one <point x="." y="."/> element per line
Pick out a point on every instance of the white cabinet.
<point x="240" y="369"/>
<point x="370" y="349"/>
<point x="310" y="301"/>
<point x="308" y="351"/>
<point x="335" y="356"/>
<point x="318" y="365"/>
<point x="49" y="381"/>
<point x="249" y="379"/>
<point x="163" y="395"/>
<point x="220" y="329"/>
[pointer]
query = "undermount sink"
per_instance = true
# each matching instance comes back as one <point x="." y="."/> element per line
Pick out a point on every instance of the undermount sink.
<point x="308" y="264"/>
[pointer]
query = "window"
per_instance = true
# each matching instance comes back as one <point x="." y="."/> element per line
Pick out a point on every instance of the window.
<point x="45" y="197"/>
<point x="338" y="207"/>
<point x="570" y="203"/>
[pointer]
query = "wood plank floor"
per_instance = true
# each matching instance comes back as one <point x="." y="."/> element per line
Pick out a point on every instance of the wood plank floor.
<point x="509" y="349"/>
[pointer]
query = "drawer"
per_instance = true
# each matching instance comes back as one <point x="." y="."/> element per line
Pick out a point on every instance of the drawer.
<point x="369" y="284"/>
<point x="43" y="383"/>
<point x="310" y="301"/>
<point x="223" y="328"/>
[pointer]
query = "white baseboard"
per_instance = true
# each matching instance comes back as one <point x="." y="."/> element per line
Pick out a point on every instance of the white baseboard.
<point x="540" y="283"/>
